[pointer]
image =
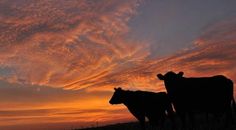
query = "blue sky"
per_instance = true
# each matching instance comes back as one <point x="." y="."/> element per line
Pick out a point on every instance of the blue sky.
<point x="171" y="25"/>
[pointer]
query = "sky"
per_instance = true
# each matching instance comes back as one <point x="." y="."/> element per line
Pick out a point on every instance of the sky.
<point x="61" y="59"/>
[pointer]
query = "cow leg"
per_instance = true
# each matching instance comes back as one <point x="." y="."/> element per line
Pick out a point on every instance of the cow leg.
<point x="141" y="120"/>
<point x="229" y="117"/>
<point x="207" y="120"/>
<point x="171" y="115"/>
<point x="155" y="123"/>
<point x="217" y="119"/>
<point x="161" y="121"/>
<point x="191" y="120"/>
<point x="183" y="120"/>
<point x="173" y="122"/>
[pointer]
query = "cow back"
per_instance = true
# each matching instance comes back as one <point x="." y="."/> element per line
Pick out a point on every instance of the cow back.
<point x="202" y="94"/>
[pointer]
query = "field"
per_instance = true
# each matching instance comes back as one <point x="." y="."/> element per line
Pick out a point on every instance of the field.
<point x="200" y="124"/>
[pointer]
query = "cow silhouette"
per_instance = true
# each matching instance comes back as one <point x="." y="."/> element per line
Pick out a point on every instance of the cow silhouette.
<point x="154" y="106"/>
<point x="203" y="94"/>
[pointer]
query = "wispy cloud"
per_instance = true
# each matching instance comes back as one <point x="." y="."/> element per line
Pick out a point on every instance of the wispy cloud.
<point x="67" y="44"/>
<point x="212" y="53"/>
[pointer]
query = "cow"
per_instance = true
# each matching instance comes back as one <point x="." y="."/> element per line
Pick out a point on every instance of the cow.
<point x="199" y="94"/>
<point x="154" y="106"/>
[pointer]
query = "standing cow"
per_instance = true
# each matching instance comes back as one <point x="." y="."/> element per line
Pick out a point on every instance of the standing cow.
<point x="143" y="104"/>
<point x="204" y="94"/>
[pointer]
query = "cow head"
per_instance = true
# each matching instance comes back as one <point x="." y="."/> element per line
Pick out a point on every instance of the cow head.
<point x="170" y="78"/>
<point x="118" y="96"/>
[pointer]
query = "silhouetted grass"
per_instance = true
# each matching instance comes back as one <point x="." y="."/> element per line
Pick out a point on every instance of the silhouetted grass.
<point x="119" y="126"/>
<point x="135" y="126"/>
<point x="200" y="124"/>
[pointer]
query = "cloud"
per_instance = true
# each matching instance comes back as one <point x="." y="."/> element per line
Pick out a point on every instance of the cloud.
<point x="84" y="44"/>
<point x="49" y="46"/>
<point x="66" y="44"/>
<point x="212" y="53"/>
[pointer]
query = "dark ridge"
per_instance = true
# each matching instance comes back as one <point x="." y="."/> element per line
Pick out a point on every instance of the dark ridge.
<point x="118" y="126"/>
<point x="201" y="124"/>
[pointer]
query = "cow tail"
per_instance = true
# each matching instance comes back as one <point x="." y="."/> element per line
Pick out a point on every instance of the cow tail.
<point x="233" y="104"/>
<point x="233" y="101"/>
<point x="233" y="109"/>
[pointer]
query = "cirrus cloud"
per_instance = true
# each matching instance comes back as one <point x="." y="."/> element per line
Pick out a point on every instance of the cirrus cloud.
<point x="67" y="44"/>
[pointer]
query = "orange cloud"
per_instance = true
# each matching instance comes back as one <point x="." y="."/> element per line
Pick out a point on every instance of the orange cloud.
<point x="213" y="53"/>
<point x="69" y="44"/>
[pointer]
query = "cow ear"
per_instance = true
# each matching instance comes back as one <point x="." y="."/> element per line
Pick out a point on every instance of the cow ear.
<point x="161" y="77"/>
<point x="115" y="89"/>
<point x="181" y="74"/>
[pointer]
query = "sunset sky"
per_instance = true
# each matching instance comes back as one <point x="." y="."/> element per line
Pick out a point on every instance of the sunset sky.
<point x="61" y="59"/>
